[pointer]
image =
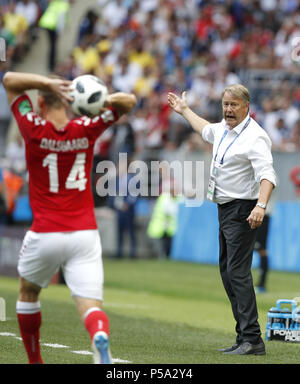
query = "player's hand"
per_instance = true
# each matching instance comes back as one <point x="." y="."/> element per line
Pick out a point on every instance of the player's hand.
<point x="177" y="103"/>
<point x="256" y="217"/>
<point x="107" y="102"/>
<point x="62" y="89"/>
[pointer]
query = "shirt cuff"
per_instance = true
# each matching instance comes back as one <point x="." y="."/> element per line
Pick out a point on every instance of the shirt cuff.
<point x="270" y="178"/>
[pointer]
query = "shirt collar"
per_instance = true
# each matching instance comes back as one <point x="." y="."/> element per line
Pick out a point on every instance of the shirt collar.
<point x="238" y="128"/>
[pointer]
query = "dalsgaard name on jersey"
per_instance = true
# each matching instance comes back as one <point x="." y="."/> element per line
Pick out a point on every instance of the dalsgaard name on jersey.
<point x="64" y="145"/>
<point x="68" y="145"/>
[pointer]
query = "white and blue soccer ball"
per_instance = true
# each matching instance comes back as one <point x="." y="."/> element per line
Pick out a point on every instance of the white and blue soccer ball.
<point x="89" y="93"/>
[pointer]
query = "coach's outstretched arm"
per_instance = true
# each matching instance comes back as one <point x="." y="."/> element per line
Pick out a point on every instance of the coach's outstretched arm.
<point x="122" y="102"/>
<point x="180" y="106"/>
<point x="17" y="83"/>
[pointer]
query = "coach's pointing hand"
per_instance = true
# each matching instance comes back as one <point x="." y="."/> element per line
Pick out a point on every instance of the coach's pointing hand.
<point x="177" y="103"/>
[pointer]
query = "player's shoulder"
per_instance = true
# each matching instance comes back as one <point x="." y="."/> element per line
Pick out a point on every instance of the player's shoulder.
<point x="21" y="105"/>
<point x="258" y="129"/>
<point x="211" y="130"/>
<point x="23" y="109"/>
<point x="257" y="134"/>
<point x="35" y="119"/>
<point x="105" y="117"/>
<point x="84" y="121"/>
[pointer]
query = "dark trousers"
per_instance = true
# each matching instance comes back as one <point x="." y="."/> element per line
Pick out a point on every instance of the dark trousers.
<point x="237" y="241"/>
<point x="126" y="223"/>
<point x="52" y="49"/>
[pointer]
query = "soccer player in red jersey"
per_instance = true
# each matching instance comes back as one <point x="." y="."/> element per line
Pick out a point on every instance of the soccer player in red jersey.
<point x="64" y="233"/>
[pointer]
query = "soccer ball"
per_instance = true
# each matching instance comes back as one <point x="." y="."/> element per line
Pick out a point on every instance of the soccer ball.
<point x="89" y="93"/>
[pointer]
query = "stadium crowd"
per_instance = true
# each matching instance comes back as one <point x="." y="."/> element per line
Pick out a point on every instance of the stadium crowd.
<point x="150" y="47"/>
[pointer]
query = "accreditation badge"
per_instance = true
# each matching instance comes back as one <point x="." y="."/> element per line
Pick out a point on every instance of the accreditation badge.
<point x="212" y="182"/>
<point x="211" y="188"/>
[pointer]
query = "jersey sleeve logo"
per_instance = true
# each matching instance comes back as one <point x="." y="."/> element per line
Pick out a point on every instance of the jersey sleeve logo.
<point x="35" y="119"/>
<point x="24" y="107"/>
<point x="107" y="116"/>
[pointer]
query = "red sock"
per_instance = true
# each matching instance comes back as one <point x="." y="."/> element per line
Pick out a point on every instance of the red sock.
<point x="95" y="321"/>
<point x="30" y="320"/>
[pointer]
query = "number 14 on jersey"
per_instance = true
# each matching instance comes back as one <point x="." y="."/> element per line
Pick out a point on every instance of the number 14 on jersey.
<point x="76" y="178"/>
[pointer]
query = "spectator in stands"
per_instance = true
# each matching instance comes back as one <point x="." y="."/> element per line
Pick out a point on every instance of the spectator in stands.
<point x="145" y="84"/>
<point x="125" y="75"/>
<point x="163" y="222"/>
<point x="289" y="111"/>
<point x="279" y="117"/>
<point x="296" y="136"/>
<point x="5" y="117"/>
<point x="124" y="205"/>
<point x="107" y="60"/>
<point x="53" y="21"/>
<point x="9" y="38"/>
<point x="171" y="39"/>
<point x="139" y="55"/>
<point x="18" y="26"/>
<point x="280" y="135"/>
<point x="15" y="154"/>
<point x="138" y="122"/>
<point x="115" y="13"/>
<point x="293" y="144"/>
<point x="122" y="140"/>
<point x="30" y="10"/>
<point x="87" y="25"/>
<point x="68" y="68"/>
<point x="86" y="56"/>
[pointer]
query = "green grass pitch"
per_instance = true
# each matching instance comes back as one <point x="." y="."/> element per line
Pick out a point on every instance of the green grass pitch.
<point x="161" y="312"/>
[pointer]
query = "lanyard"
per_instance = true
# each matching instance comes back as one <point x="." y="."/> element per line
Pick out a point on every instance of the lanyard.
<point x="224" y="134"/>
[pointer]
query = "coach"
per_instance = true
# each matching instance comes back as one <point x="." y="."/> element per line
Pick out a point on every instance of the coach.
<point x="241" y="182"/>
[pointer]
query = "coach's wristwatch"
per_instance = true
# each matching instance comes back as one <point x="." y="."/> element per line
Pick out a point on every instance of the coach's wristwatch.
<point x="262" y="205"/>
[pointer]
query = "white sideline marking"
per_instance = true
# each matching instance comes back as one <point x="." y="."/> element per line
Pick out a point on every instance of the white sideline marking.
<point x="82" y="352"/>
<point x="9" y="334"/>
<point x="55" y="345"/>
<point x="121" y="361"/>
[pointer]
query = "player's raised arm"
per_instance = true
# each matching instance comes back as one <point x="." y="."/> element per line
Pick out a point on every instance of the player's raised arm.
<point x="17" y="83"/>
<point x="122" y="102"/>
<point x="179" y="105"/>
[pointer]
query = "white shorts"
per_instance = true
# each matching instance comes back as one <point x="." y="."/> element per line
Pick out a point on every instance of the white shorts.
<point x="79" y="254"/>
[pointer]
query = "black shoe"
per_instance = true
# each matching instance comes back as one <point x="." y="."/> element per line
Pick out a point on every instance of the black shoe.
<point x="248" y="349"/>
<point x="229" y="349"/>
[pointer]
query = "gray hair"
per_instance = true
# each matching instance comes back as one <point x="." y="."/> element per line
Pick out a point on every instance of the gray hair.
<point x="238" y="91"/>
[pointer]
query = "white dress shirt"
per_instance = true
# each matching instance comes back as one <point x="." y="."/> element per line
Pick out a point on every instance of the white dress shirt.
<point x="247" y="159"/>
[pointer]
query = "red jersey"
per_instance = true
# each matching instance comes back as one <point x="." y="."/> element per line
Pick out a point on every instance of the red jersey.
<point x="59" y="165"/>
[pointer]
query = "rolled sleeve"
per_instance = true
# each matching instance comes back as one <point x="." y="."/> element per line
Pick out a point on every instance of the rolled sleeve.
<point x="261" y="159"/>
<point x="208" y="133"/>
